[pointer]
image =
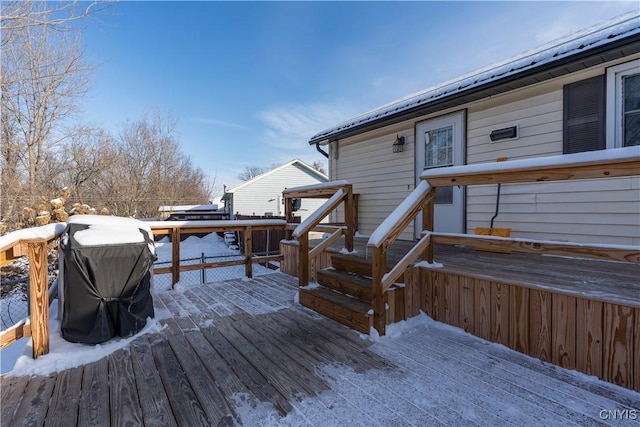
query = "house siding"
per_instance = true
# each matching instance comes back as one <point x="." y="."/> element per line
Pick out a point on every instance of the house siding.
<point x="253" y="199"/>
<point x="586" y="211"/>
<point x="589" y="211"/>
<point x="380" y="177"/>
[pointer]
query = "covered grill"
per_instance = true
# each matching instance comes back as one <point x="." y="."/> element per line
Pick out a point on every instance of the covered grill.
<point x="106" y="278"/>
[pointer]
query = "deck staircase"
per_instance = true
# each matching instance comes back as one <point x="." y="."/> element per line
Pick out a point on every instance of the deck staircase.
<point x="345" y="292"/>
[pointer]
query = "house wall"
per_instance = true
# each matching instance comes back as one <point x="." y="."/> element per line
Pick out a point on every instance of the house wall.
<point x="381" y="178"/>
<point x="588" y="211"/>
<point x="594" y="211"/>
<point x="265" y="194"/>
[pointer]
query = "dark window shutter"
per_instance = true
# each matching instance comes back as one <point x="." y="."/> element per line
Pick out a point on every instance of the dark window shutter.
<point x="583" y="111"/>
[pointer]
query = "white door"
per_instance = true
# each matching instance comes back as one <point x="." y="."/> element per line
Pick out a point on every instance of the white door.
<point x="440" y="143"/>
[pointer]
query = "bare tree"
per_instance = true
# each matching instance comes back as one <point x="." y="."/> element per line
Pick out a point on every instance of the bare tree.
<point x="251" y="172"/>
<point x="151" y="171"/>
<point x="319" y="166"/>
<point x="44" y="73"/>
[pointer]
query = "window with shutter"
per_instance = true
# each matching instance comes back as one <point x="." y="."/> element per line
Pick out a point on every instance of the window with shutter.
<point x="583" y="110"/>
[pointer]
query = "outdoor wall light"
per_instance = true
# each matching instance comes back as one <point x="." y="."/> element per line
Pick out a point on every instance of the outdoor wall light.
<point x="398" y="145"/>
<point x="506" y="133"/>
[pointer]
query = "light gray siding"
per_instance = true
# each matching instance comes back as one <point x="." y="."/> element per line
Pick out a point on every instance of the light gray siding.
<point x="591" y="211"/>
<point x="264" y="193"/>
<point x="380" y="177"/>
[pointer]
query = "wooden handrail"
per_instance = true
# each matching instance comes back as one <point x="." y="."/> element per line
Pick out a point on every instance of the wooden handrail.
<point x="398" y="270"/>
<point x="326" y="243"/>
<point x="593" y="251"/>
<point x="389" y="230"/>
<point x="607" y="164"/>
<point x="320" y="213"/>
<point x="603" y="164"/>
<point x="337" y="192"/>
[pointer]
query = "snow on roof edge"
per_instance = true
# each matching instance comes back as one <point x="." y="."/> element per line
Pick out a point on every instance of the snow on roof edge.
<point x="263" y="175"/>
<point x="592" y="37"/>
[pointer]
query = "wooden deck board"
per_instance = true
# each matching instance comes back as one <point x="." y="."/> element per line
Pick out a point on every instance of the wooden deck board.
<point x="245" y="343"/>
<point x="123" y="396"/>
<point x="12" y="390"/>
<point x="63" y="407"/>
<point x="600" y="280"/>
<point x="154" y="403"/>
<point x="94" y="399"/>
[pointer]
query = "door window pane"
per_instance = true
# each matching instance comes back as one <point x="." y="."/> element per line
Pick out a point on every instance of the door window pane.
<point x="631" y="110"/>
<point x="438" y="147"/>
<point x="439" y="153"/>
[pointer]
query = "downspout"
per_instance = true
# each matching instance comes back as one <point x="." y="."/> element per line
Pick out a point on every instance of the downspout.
<point x="321" y="151"/>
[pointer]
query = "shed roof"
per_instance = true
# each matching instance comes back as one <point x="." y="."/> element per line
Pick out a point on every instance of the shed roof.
<point x="309" y="169"/>
<point x="612" y="39"/>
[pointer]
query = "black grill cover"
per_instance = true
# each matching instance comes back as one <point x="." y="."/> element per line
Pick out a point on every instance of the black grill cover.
<point x="106" y="289"/>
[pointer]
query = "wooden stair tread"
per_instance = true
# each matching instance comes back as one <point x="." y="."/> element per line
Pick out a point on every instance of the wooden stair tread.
<point x="346" y="283"/>
<point x="356" y="264"/>
<point x="344" y="309"/>
<point x="352" y="264"/>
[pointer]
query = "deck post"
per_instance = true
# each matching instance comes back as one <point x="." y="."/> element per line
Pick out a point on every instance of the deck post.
<point x="248" y="249"/>
<point x="303" y="259"/>
<point x="175" y="256"/>
<point x="428" y="210"/>
<point x="288" y="216"/>
<point x="39" y="296"/>
<point x="349" y="218"/>
<point x="378" y="300"/>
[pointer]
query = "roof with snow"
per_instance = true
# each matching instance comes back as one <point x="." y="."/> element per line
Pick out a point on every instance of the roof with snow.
<point x="601" y="43"/>
<point x="311" y="170"/>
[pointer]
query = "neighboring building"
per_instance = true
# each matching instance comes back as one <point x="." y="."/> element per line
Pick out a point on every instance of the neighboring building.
<point x="192" y="212"/>
<point x="262" y="195"/>
<point x="579" y="93"/>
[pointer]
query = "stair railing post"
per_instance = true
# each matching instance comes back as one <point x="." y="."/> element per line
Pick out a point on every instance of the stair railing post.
<point x="349" y="218"/>
<point x="378" y="302"/>
<point x="303" y="259"/>
<point x="428" y="209"/>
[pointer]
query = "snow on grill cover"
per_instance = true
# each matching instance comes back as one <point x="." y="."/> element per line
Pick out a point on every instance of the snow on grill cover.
<point x="106" y="278"/>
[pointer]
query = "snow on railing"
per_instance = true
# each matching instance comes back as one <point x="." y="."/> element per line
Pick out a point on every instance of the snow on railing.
<point x="597" y="164"/>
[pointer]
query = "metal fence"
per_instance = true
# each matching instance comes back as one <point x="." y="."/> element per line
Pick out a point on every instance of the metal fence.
<point x="207" y="275"/>
<point x="14" y="304"/>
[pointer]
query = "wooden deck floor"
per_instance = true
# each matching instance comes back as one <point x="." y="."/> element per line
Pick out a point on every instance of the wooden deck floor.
<point x="615" y="282"/>
<point x="242" y="352"/>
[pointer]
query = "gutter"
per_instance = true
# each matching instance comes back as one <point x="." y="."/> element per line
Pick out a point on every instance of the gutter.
<point x="320" y="150"/>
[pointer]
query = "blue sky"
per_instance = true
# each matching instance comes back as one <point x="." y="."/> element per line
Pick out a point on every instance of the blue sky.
<point x="251" y="82"/>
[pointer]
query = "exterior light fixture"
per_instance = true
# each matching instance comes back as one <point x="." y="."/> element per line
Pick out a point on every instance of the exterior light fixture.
<point x="398" y="145"/>
<point x="506" y="133"/>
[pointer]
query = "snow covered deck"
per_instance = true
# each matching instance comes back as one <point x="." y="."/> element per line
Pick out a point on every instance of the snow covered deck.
<point x="243" y="352"/>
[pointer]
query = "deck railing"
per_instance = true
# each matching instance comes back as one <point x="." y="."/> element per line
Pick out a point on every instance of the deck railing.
<point x="32" y="243"/>
<point x="603" y="164"/>
<point x="337" y="193"/>
<point x="176" y="229"/>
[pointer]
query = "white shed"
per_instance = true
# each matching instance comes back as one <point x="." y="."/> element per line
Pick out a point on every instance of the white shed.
<point x="262" y="195"/>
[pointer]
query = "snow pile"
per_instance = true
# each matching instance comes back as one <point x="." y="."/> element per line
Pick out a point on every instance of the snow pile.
<point x="60" y="351"/>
